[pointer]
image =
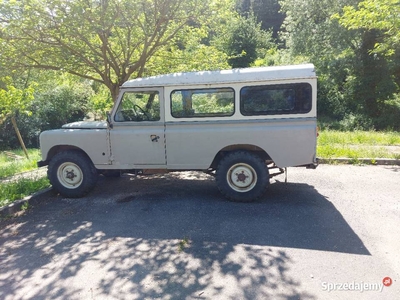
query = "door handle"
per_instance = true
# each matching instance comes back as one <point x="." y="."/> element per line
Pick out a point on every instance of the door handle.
<point x="154" y="138"/>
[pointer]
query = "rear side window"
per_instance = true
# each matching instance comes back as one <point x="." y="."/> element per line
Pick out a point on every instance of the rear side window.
<point x="218" y="102"/>
<point x="276" y="99"/>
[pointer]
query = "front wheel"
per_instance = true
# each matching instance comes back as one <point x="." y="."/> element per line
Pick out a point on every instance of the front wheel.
<point x="242" y="176"/>
<point x="72" y="174"/>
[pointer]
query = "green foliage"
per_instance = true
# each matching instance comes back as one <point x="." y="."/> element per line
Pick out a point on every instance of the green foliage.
<point x="60" y="101"/>
<point x="10" y="166"/>
<point x="311" y="33"/>
<point x="21" y="187"/>
<point x="357" y="144"/>
<point x="354" y="82"/>
<point x="358" y="137"/>
<point x="183" y="244"/>
<point x="202" y="103"/>
<point x="104" y="41"/>
<point x="61" y="105"/>
<point x="354" y="45"/>
<point x="100" y="102"/>
<point x="267" y="12"/>
<point x="16" y="190"/>
<point x="243" y="40"/>
<point x="390" y="116"/>
<point x="13" y="99"/>
<point x="382" y="15"/>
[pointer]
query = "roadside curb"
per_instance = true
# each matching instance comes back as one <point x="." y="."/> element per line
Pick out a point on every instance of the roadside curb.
<point x="16" y="206"/>
<point x="366" y="161"/>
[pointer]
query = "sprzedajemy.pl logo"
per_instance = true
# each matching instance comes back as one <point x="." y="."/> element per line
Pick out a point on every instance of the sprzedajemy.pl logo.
<point x="356" y="286"/>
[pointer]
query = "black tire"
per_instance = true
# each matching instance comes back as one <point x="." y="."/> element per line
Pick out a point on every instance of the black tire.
<point x="72" y="174"/>
<point x="242" y="176"/>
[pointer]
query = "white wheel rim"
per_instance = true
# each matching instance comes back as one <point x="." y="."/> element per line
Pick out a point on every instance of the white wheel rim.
<point x="69" y="175"/>
<point x="241" y="177"/>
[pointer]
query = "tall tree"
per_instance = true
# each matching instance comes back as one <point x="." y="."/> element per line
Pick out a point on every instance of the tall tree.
<point x="267" y="12"/>
<point x="106" y="41"/>
<point x="380" y="23"/>
<point x="353" y="80"/>
<point x="242" y="41"/>
<point x="382" y="15"/>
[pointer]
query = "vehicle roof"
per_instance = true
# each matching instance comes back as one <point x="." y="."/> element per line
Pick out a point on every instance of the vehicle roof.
<point x="226" y="76"/>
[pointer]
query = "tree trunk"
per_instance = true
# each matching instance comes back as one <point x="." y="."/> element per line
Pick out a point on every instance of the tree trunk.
<point x="370" y="73"/>
<point x="14" y="123"/>
<point x="114" y="89"/>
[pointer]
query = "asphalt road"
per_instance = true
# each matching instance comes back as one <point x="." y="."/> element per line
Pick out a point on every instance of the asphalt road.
<point x="174" y="237"/>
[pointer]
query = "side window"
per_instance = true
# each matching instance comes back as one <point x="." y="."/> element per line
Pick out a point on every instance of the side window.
<point x="219" y="102"/>
<point x="276" y="99"/>
<point x="138" y="106"/>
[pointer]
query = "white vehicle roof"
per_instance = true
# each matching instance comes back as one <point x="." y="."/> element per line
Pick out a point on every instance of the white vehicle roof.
<point x="226" y="76"/>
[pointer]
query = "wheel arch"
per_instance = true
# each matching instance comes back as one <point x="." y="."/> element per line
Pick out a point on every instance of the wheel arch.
<point x="240" y="147"/>
<point x="61" y="148"/>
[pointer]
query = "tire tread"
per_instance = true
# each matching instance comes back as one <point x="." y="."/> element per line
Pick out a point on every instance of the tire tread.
<point x="249" y="158"/>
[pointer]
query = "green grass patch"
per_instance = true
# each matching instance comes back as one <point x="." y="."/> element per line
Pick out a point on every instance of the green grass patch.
<point x="358" y="144"/>
<point x="10" y="166"/>
<point x="15" y="190"/>
<point x="371" y="138"/>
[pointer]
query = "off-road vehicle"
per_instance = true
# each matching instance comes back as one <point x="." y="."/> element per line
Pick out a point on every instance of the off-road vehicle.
<point x="243" y="126"/>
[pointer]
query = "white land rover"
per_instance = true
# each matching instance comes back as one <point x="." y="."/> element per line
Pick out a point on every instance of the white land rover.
<point x="236" y="124"/>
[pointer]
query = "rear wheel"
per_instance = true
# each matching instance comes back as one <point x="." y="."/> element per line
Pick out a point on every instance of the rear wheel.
<point x="242" y="176"/>
<point x="72" y="174"/>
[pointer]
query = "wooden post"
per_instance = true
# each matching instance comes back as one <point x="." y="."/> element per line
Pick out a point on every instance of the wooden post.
<point x="14" y="123"/>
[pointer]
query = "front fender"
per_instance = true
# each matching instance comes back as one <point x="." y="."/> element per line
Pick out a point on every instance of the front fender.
<point x="94" y="142"/>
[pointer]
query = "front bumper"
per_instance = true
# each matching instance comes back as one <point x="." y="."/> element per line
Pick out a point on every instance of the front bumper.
<point x="42" y="163"/>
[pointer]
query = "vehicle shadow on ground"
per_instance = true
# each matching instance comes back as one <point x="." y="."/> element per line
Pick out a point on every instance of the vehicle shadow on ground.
<point x="169" y="237"/>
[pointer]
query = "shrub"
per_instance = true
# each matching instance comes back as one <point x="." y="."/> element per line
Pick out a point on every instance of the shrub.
<point x="50" y="109"/>
<point x="390" y="115"/>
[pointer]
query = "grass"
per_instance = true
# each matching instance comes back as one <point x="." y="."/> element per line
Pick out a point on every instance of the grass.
<point x="11" y="191"/>
<point x="358" y="144"/>
<point x="10" y="166"/>
<point x="18" y="189"/>
<point x="371" y="138"/>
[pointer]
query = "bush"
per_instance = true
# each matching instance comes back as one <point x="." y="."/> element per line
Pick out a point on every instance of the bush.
<point x="62" y="105"/>
<point x="352" y="122"/>
<point x="50" y="109"/>
<point x="390" y="115"/>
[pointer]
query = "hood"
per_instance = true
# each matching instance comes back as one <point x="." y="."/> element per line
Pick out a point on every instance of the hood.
<point x="86" y="125"/>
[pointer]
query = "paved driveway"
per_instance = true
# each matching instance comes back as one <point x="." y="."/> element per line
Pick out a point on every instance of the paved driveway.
<point x="174" y="237"/>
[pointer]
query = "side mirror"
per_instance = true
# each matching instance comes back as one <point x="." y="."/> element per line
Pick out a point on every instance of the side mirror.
<point x="109" y="120"/>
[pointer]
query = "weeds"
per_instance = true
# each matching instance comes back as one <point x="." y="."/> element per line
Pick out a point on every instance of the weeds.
<point x="183" y="244"/>
<point x="371" y="138"/>
<point x="10" y="166"/>
<point x="25" y="206"/>
<point x="11" y="191"/>
<point x="358" y="144"/>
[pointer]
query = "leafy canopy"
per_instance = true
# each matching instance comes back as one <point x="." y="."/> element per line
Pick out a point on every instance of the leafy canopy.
<point x="106" y="41"/>
<point x="13" y="99"/>
<point x="375" y="14"/>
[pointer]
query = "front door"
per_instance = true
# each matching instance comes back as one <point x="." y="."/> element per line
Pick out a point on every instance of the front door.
<point x="137" y="136"/>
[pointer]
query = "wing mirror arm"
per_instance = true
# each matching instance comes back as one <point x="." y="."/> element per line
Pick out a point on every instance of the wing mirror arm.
<point x="109" y="120"/>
